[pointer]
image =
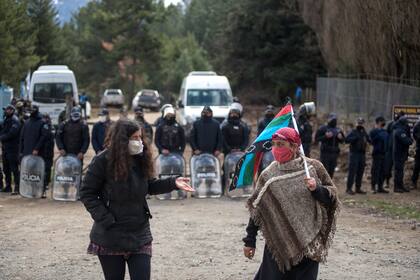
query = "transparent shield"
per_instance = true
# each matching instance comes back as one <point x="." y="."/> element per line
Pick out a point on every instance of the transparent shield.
<point x="169" y="166"/>
<point x="229" y="167"/>
<point x="205" y="176"/>
<point x="32" y="173"/>
<point x="67" y="175"/>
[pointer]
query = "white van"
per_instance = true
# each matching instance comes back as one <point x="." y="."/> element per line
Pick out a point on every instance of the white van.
<point x="200" y="89"/>
<point x="49" y="86"/>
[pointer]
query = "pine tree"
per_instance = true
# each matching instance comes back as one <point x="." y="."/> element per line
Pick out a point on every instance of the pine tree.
<point x="16" y="42"/>
<point x="46" y="27"/>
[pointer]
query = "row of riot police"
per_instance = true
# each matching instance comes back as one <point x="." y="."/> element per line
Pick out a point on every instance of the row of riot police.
<point x="34" y="135"/>
<point x="389" y="154"/>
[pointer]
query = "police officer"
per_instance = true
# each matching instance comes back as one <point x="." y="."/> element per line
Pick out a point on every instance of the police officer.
<point x="416" y="171"/>
<point x="269" y="115"/>
<point x="330" y="137"/>
<point x="379" y="138"/>
<point x="206" y="136"/>
<point x="234" y="133"/>
<point x="170" y="136"/>
<point x="47" y="150"/>
<point x="99" y="131"/>
<point x="9" y="137"/>
<point x="73" y="135"/>
<point x="145" y="126"/>
<point x="305" y="130"/>
<point x="401" y="143"/>
<point x="389" y="157"/>
<point x="160" y="120"/>
<point x="33" y="134"/>
<point x="358" y="140"/>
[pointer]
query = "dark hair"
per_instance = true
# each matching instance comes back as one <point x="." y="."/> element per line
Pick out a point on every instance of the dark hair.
<point x="380" y="119"/>
<point x="120" y="160"/>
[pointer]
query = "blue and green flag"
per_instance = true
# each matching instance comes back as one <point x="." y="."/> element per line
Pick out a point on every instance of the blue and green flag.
<point x="247" y="166"/>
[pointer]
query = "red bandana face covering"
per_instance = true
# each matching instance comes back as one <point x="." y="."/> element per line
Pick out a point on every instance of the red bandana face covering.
<point x="282" y="154"/>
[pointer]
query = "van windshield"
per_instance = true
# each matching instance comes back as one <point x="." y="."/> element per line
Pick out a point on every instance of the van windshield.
<point x="210" y="97"/>
<point x="52" y="92"/>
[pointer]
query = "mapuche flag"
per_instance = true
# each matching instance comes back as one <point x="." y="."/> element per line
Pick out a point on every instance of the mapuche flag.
<point x="248" y="165"/>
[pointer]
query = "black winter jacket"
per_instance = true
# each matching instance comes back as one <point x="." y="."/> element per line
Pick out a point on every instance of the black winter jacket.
<point x="9" y="135"/>
<point x="33" y="135"/>
<point x="119" y="209"/>
<point x="73" y="137"/>
<point x="206" y="136"/>
<point x="329" y="145"/>
<point x="401" y="141"/>
<point x="358" y="140"/>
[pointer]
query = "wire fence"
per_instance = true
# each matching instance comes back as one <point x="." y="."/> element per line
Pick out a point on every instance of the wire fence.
<point x="352" y="98"/>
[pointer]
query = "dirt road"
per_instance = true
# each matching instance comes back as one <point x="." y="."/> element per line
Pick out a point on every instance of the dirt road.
<point x="194" y="239"/>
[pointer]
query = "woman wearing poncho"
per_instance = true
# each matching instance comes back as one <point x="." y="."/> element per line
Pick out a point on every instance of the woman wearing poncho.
<point x="296" y="214"/>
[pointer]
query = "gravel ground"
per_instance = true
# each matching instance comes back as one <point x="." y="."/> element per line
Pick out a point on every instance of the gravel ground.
<point x="194" y="239"/>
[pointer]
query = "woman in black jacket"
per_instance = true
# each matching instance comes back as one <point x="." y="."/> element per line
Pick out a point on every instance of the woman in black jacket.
<point x="114" y="192"/>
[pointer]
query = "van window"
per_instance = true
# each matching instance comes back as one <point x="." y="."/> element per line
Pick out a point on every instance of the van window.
<point x="52" y="92"/>
<point x="210" y="97"/>
<point x="112" y="92"/>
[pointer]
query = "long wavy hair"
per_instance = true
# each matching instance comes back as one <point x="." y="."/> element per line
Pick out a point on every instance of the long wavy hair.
<point x="119" y="157"/>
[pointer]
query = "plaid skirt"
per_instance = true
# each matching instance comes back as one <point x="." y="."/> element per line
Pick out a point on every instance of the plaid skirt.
<point x="96" y="249"/>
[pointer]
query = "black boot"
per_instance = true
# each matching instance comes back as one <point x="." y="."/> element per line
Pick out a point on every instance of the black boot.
<point x="359" y="191"/>
<point x="398" y="190"/>
<point x="374" y="189"/>
<point x="382" y="190"/>
<point x="350" y="192"/>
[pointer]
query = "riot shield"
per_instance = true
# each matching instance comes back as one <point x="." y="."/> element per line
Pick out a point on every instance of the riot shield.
<point x="32" y="173"/>
<point x="67" y="175"/>
<point x="267" y="159"/>
<point x="169" y="166"/>
<point x="229" y="167"/>
<point x="205" y="176"/>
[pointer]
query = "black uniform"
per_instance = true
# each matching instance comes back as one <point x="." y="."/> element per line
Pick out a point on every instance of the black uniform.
<point x="206" y="136"/>
<point x="170" y="136"/>
<point x="379" y="138"/>
<point x="401" y="143"/>
<point x="329" y="146"/>
<point x="305" y="131"/>
<point x="416" y="136"/>
<point x="33" y="135"/>
<point x="9" y="137"/>
<point x="47" y="152"/>
<point x="235" y="136"/>
<point x="146" y="129"/>
<point x="389" y="156"/>
<point x="358" y="139"/>
<point x="99" y="131"/>
<point x="73" y="137"/>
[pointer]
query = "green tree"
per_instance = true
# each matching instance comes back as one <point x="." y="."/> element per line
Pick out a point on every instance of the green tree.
<point x="49" y="45"/>
<point x="268" y="49"/>
<point x="16" y="42"/>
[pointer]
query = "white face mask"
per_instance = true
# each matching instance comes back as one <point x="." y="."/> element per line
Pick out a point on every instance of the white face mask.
<point x="135" y="147"/>
<point x="102" y="118"/>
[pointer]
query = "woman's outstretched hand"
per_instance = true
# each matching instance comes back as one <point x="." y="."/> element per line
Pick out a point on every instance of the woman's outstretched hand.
<point x="183" y="183"/>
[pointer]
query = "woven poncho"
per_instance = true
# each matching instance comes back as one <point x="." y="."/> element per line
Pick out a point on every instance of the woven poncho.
<point x="294" y="224"/>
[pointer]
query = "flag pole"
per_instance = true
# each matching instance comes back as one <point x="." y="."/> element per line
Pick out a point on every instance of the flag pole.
<point x="302" y="152"/>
